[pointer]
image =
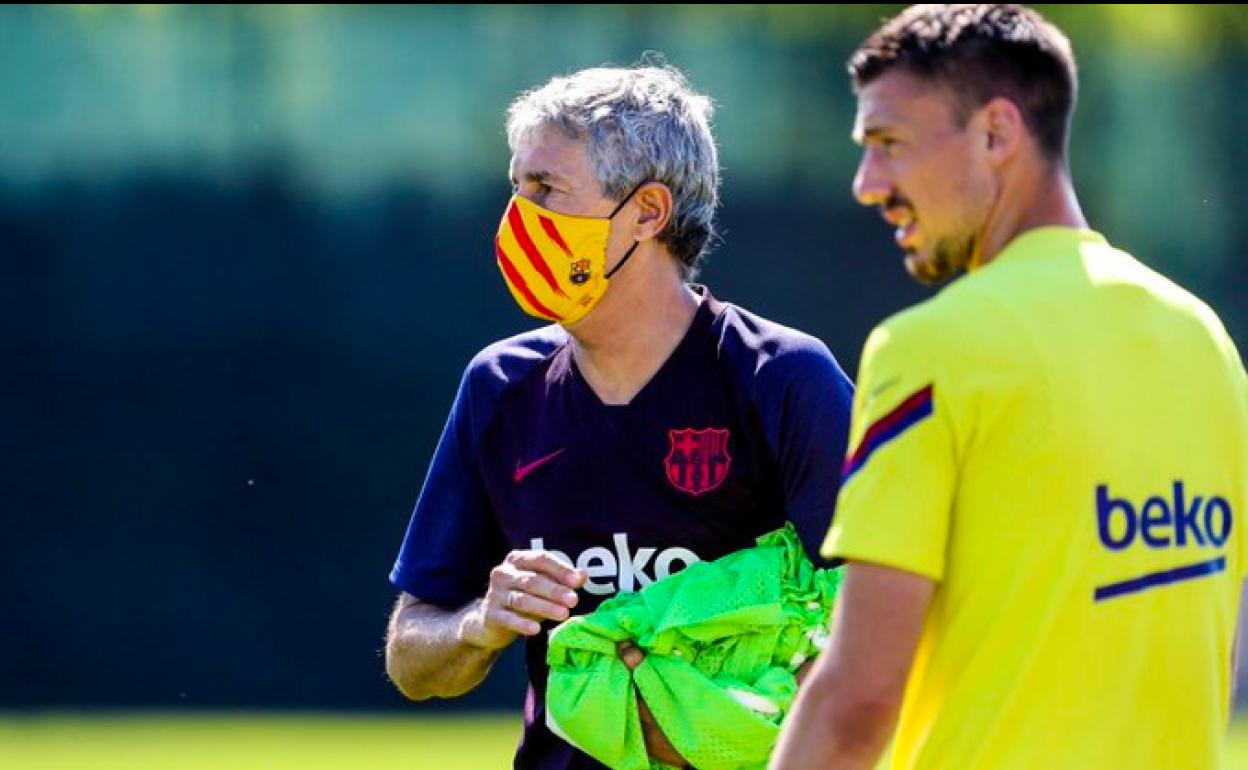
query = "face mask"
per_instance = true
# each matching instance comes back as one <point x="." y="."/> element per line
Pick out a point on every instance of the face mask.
<point x="555" y="264"/>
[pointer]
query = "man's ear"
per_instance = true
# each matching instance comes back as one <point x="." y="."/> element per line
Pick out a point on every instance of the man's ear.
<point x="654" y="204"/>
<point x="1000" y="122"/>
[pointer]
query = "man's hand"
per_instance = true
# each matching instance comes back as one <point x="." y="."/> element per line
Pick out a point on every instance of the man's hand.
<point x="528" y="587"/>
<point x="657" y="745"/>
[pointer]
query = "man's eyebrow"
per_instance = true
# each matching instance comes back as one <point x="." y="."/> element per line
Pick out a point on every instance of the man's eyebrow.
<point x="543" y="177"/>
<point x="870" y="132"/>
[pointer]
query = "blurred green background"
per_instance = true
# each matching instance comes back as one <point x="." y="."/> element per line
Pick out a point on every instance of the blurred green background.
<point x="245" y="253"/>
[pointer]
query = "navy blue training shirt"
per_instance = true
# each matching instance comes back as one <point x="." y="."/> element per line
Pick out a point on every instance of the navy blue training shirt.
<point x="742" y="428"/>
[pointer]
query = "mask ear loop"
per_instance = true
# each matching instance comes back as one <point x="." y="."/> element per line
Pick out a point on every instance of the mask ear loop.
<point x="632" y="248"/>
<point x="620" y="264"/>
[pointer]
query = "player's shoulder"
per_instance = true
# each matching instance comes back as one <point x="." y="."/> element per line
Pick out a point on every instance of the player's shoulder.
<point x="939" y="323"/>
<point x="959" y="336"/>
<point x="1179" y="309"/>
<point x="506" y="362"/>
<point x="762" y="347"/>
<point x="1180" y="301"/>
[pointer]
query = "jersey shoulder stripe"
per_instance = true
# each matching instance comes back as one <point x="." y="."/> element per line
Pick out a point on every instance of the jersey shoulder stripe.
<point x="911" y="411"/>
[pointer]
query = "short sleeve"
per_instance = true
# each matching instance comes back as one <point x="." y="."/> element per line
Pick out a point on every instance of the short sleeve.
<point x="453" y="539"/>
<point x="900" y="473"/>
<point x="807" y="399"/>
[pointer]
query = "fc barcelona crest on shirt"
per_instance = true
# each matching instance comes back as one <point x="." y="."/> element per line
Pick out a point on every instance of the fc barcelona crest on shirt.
<point x="698" y="461"/>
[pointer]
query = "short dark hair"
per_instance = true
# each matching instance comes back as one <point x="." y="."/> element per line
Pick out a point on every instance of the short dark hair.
<point x="982" y="51"/>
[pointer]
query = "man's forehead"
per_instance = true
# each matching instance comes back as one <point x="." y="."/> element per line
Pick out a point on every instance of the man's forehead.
<point x="549" y="155"/>
<point x="897" y="99"/>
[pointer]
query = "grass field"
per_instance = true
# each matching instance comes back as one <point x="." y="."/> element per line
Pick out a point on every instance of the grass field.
<point x="240" y="742"/>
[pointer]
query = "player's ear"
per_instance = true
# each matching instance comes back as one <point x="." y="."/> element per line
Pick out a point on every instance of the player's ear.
<point x="654" y="204"/>
<point x="1002" y="129"/>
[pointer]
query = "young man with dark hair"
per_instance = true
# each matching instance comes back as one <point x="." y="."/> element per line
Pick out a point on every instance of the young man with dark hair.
<point x="1048" y="462"/>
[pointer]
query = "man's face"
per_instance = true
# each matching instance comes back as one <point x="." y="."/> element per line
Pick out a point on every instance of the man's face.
<point x="928" y="174"/>
<point x="553" y="171"/>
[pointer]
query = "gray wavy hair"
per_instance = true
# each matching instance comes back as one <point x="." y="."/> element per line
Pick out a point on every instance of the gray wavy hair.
<point x="640" y="124"/>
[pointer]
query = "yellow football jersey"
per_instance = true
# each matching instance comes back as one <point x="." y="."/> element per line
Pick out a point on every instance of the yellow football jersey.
<point x="1060" y="441"/>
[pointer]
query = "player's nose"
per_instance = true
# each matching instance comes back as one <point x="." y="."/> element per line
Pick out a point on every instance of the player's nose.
<point x="872" y="186"/>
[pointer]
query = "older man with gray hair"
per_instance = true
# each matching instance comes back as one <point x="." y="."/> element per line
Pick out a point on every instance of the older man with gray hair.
<point x="647" y="427"/>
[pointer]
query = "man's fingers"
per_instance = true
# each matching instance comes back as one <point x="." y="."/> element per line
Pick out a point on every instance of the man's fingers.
<point x="513" y="577"/>
<point x="527" y="588"/>
<point x="521" y="603"/>
<point x="544" y="563"/>
<point x="544" y="588"/>
<point x="631" y="655"/>
<point x="513" y="622"/>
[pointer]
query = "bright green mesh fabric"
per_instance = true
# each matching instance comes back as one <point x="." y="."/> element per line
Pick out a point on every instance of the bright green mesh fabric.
<point x="722" y="642"/>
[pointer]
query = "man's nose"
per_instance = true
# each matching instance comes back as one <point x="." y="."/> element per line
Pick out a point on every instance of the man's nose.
<point x="871" y="184"/>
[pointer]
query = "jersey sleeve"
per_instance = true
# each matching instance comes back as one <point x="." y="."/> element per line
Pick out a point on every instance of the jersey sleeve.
<point x="900" y="473"/>
<point x="453" y="539"/>
<point x="806" y="400"/>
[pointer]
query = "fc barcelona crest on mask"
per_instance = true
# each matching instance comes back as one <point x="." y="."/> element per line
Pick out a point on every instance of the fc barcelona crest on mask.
<point x="698" y="460"/>
<point x="580" y="272"/>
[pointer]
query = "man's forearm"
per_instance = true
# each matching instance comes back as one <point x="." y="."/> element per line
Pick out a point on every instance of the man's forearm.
<point x="848" y="706"/>
<point x="425" y="657"/>
<point x="822" y="734"/>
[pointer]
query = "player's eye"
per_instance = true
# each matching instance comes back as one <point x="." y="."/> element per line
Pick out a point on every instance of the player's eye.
<point x="881" y="142"/>
<point x="531" y="188"/>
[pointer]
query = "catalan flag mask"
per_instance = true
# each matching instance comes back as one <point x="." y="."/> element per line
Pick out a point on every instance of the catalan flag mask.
<point x="555" y="264"/>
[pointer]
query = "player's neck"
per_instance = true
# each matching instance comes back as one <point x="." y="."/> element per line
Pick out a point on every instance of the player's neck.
<point x="626" y="340"/>
<point x="1045" y="199"/>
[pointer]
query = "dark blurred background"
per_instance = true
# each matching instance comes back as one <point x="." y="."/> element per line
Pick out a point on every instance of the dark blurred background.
<point x="245" y="253"/>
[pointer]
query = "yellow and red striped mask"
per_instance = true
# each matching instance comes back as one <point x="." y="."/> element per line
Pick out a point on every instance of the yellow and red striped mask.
<point x="555" y="264"/>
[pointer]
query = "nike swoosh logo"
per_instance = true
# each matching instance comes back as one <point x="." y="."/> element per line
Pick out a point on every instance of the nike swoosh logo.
<point x="883" y="386"/>
<point x="522" y="472"/>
